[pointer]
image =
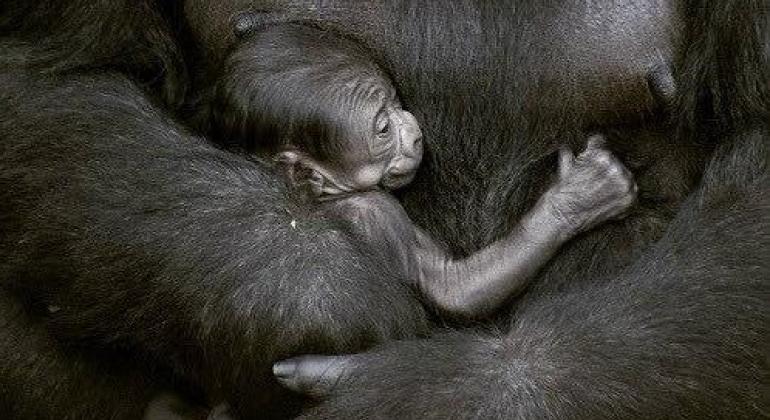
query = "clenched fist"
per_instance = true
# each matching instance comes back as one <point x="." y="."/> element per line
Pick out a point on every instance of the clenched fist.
<point x="592" y="188"/>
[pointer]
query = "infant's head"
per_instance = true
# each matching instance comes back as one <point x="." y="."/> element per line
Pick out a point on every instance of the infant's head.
<point x="317" y="103"/>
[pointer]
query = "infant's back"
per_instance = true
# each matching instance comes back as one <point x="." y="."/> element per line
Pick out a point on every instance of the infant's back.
<point x="380" y="220"/>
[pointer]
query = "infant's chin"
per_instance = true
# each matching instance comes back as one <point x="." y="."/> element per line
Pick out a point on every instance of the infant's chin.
<point x="394" y="182"/>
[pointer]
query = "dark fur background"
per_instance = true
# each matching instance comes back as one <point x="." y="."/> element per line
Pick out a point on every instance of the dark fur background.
<point x="137" y="257"/>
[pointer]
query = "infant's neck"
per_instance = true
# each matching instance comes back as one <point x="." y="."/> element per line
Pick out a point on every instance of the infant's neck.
<point x="341" y="195"/>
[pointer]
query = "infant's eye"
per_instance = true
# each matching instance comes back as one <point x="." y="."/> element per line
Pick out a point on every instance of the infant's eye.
<point x="383" y="124"/>
<point x="381" y="144"/>
<point x="385" y="129"/>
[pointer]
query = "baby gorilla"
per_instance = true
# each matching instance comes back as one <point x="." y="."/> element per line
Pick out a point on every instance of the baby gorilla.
<point x="316" y="104"/>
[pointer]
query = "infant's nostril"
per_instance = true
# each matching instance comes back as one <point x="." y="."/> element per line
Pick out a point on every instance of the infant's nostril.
<point x="414" y="150"/>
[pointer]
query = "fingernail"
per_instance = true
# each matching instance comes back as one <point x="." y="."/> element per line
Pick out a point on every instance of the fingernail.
<point x="284" y="369"/>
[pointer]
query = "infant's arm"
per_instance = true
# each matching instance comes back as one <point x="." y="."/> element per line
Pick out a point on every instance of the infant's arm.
<point x="591" y="189"/>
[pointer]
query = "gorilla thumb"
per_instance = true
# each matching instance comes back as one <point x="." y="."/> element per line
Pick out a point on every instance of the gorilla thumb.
<point x="315" y="376"/>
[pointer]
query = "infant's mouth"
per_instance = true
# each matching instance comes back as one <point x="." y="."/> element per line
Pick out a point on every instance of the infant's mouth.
<point x="396" y="181"/>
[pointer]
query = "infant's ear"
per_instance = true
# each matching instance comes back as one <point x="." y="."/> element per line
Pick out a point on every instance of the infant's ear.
<point x="246" y="23"/>
<point x="289" y="163"/>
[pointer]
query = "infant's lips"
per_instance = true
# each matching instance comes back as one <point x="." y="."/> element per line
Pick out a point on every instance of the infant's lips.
<point x="395" y="181"/>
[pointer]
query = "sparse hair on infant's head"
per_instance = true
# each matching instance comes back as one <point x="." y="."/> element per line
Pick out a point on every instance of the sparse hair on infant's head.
<point x="315" y="99"/>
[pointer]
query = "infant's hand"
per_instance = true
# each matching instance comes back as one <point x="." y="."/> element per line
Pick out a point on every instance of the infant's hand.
<point x="592" y="188"/>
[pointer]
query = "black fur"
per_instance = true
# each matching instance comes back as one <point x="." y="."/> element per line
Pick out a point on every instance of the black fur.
<point x="681" y="333"/>
<point x="132" y="36"/>
<point x="662" y="315"/>
<point x="155" y="243"/>
<point x="495" y="96"/>
<point x="40" y="379"/>
<point x="292" y="95"/>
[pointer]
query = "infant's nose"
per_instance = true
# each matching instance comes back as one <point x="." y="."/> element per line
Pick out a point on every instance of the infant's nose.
<point x="411" y="137"/>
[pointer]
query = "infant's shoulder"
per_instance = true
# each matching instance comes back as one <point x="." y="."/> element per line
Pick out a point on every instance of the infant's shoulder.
<point x="377" y="216"/>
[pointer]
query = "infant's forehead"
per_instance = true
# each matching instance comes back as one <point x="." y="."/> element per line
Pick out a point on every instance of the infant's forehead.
<point x="369" y="86"/>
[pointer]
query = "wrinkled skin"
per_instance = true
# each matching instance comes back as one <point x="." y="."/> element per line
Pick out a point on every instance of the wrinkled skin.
<point x="590" y="189"/>
<point x="362" y="140"/>
<point x="509" y="135"/>
<point x="383" y="148"/>
<point x="606" y="66"/>
<point x="316" y="103"/>
<point x="95" y="295"/>
<point x="592" y="343"/>
<point x="663" y="315"/>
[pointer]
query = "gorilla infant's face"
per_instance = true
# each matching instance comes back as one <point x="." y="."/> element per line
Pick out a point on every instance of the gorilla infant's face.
<point x="384" y="144"/>
<point x="381" y="144"/>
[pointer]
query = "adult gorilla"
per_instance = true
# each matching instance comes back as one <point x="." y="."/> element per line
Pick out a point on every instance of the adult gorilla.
<point x="139" y="259"/>
<point x="629" y="321"/>
<point x="621" y="324"/>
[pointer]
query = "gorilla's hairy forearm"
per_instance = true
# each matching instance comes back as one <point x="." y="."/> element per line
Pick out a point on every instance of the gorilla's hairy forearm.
<point x="144" y="237"/>
<point x="640" y="338"/>
<point x="678" y="337"/>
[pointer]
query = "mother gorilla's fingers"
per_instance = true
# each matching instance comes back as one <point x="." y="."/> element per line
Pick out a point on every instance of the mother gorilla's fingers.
<point x="315" y="376"/>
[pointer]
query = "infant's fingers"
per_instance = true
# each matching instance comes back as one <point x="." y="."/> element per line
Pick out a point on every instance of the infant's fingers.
<point x="566" y="159"/>
<point x="618" y="169"/>
<point x="596" y="142"/>
<point x="596" y="152"/>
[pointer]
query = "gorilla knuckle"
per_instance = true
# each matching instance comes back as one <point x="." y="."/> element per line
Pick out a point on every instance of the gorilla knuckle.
<point x="603" y="158"/>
